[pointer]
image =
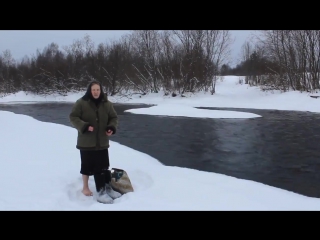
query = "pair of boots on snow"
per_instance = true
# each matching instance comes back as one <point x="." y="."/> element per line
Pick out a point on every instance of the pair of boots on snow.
<point x="103" y="186"/>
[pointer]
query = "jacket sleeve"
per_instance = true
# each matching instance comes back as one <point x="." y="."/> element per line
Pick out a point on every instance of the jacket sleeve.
<point x="113" y="118"/>
<point x="75" y="119"/>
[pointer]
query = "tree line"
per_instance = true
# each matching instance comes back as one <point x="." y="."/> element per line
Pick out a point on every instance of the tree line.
<point x="281" y="60"/>
<point x="175" y="61"/>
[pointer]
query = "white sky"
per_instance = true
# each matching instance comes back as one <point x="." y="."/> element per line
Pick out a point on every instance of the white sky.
<point x="39" y="165"/>
<point x="26" y="42"/>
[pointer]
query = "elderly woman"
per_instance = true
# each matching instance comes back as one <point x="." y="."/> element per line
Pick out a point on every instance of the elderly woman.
<point x="95" y="119"/>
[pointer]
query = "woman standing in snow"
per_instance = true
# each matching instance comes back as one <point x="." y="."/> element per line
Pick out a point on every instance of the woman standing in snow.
<point x="95" y="119"/>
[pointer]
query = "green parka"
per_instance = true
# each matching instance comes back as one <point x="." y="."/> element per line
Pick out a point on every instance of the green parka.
<point x="102" y="117"/>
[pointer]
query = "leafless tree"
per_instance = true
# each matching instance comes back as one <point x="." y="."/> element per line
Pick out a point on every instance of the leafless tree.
<point x="296" y="52"/>
<point x="146" y="45"/>
<point x="217" y="52"/>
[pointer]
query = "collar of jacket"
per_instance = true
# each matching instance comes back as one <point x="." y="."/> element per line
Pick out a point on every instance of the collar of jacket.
<point x="87" y="98"/>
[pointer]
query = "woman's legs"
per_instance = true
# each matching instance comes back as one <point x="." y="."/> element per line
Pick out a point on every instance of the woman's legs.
<point x="86" y="171"/>
<point x="96" y="163"/>
<point x="85" y="189"/>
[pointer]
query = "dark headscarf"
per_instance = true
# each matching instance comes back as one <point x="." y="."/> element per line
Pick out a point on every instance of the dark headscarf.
<point x="88" y="93"/>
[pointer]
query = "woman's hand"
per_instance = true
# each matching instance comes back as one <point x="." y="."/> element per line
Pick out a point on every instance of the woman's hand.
<point x="109" y="132"/>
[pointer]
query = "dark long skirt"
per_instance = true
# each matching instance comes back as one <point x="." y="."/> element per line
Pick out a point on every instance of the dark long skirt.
<point x="94" y="161"/>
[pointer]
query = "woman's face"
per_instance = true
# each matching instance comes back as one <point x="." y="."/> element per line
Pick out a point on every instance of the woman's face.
<point x="95" y="90"/>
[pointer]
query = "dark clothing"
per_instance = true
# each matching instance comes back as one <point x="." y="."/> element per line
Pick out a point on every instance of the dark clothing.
<point x="99" y="114"/>
<point x="101" y="180"/>
<point x="94" y="161"/>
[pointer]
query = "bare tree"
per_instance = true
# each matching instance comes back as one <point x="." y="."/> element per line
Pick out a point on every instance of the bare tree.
<point x="117" y="63"/>
<point x="217" y="51"/>
<point x="146" y="44"/>
<point x="189" y="51"/>
<point x="296" y="52"/>
<point x="246" y="51"/>
<point x="7" y="79"/>
<point x="167" y="53"/>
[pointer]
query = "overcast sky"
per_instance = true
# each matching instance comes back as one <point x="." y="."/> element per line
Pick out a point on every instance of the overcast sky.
<point x="26" y="42"/>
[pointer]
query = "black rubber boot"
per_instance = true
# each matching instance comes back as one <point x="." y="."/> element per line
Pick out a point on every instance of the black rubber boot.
<point x="100" y="181"/>
<point x="108" y="188"/>
<point x="108" y="176"/>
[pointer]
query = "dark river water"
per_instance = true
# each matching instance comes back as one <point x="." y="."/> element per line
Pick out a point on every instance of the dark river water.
<point x="281" y="149"/>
